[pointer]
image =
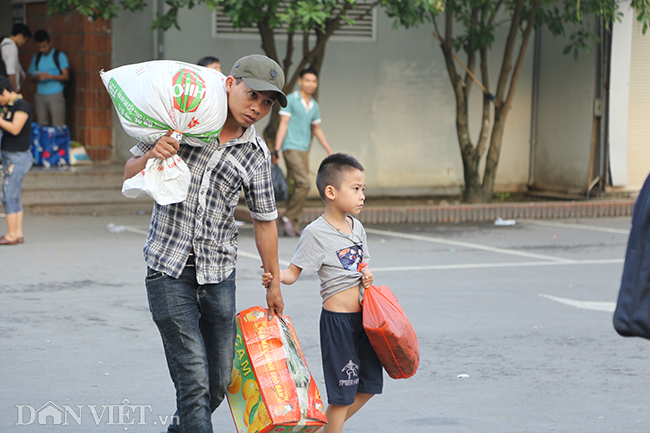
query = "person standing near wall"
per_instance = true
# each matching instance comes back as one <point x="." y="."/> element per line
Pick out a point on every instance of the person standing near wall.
<point x="298" y="121"/>
<point x="9" y="48"/>
<point x="50" y="69"/>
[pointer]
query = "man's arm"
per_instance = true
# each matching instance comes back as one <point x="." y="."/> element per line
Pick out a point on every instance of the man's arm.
<point x="266" y="240"/>
<point x="164" y="148"/>
<point x="12" y="80"/>
<point x="320" y="135"/>
<point x="9" y="53"/>
<point x="280" y="136"/>
<point x="65" y="76"/>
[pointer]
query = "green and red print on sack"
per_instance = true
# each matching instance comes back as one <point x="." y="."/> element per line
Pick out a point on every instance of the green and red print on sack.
<point x="189" y="91"/>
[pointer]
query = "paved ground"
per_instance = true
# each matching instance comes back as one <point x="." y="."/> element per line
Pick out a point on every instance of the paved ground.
<point x="524" y="311"/>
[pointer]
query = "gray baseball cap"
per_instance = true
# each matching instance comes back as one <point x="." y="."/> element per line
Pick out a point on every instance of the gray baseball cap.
<point x="262" y="74"/>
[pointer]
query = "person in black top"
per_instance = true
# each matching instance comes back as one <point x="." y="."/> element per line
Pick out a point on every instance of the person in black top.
<point x="15" y="122"/>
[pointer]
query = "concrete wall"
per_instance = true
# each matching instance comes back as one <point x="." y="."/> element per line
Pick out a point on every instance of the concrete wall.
<point x="133" y="43"/>
<point x="388" y="102"/>
<point x="5" y="17"/>
<point x="638" y="150"/>
<point x="565" y="120"/>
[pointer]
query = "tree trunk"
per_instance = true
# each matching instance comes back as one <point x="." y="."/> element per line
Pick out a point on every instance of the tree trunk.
<point x="492" y="162"/>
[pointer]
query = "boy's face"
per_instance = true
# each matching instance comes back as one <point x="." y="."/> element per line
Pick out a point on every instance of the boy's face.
<point x="247" y="106"/>
<point x="308" y="83"/>
<point x="350" y="197"/>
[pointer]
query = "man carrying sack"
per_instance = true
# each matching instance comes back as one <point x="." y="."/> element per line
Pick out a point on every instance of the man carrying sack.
<point x="191" y="246"/>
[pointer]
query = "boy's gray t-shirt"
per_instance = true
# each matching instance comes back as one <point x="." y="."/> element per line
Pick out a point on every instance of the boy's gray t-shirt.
<point x="334" y="255"/>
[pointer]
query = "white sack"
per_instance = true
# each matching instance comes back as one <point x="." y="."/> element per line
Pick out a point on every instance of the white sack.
<point x="166" y="181"/>
<point x="153" y="97"/>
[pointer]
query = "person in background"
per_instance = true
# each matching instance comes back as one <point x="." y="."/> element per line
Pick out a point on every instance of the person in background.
<point x="15" y="122"/>
<point x="298" y="122"/>
<point x="50" y="69"/>
<point x="210" y="62"/>
<point x="9" y="48"/>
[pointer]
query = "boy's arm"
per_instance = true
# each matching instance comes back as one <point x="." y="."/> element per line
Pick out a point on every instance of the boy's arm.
<point x="320" y="135"/>
<point x="287" y="276"/>
<point x="291" y="274"/>
<point x="266" y="240"/>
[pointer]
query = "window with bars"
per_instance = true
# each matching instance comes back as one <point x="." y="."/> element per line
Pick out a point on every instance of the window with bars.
<point x="363" y="29"/>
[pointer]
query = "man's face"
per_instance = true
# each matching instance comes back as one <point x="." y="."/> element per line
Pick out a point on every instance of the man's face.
<point x="308" y="83"/>
<point x="44" y="47"/>
<point x="20" y="40"/>
<point x="247" y="106"/>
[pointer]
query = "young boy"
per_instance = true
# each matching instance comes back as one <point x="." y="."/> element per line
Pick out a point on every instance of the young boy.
<point x="335" y="246"/>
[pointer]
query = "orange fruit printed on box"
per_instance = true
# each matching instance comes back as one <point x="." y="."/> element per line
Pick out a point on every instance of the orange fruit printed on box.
<point x="263" y="395"/>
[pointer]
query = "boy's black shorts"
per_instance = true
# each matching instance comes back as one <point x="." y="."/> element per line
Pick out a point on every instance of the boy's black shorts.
<point x="350" y="364"/>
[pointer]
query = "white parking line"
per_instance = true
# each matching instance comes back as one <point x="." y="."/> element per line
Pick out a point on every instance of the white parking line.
<point x="468" y="245"/>
<point x="240" y="253"/>
<point x="256" y="256"/>
<point x="549" y="260"/>
<point x="577" y="226"/>
<point x="583" y="305"/>
<point x="135" y="230"/>
<point x="494" y="265"/>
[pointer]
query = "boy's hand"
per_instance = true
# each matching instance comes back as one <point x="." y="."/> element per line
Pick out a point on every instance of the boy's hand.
<point x="267" y="277"/>
<point x="367" y="278"/>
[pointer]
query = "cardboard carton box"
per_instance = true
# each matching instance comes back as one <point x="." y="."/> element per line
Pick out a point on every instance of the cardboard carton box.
<point x="263" y="395"/>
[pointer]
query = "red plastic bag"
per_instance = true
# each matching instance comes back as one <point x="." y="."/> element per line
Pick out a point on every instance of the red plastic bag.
<point x="390" y="332"/>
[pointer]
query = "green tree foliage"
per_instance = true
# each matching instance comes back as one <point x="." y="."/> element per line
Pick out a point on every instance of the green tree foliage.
<point x="468" y="27"/>
<point x="314" y="21"/>
<point x="465" y="27"/>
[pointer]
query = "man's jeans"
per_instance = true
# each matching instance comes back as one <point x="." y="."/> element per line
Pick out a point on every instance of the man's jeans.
<point x="197" y="326"/>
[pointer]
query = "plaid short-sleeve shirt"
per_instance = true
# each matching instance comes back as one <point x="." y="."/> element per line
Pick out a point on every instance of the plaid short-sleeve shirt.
<point x="205" y="221"/>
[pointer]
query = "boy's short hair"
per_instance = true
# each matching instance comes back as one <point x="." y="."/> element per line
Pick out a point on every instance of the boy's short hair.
<point x="306" y="71"/>
<point x="41" y="36"/>
<point x="331" y="171"/>
<point x="207" y="60"/>
<point x="21" y="29"/>
<point x="5" y="84"/>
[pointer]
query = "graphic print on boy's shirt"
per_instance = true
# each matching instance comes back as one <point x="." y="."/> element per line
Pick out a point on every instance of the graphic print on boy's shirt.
<point x="351" y="257"/>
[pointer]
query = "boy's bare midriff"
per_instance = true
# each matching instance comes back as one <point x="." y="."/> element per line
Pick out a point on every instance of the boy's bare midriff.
<point x="346" y="301"/>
